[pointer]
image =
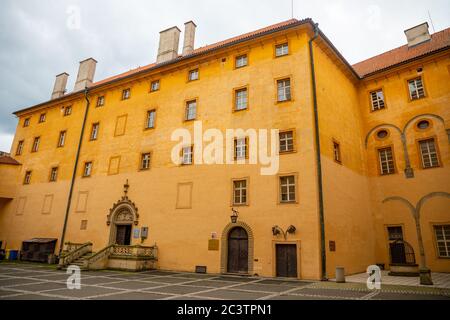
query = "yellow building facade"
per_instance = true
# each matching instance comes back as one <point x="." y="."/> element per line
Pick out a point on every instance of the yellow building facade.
<point x="352" y="138"/>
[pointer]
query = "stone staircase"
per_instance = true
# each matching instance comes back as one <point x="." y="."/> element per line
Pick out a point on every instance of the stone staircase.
<point x="81" y="261"/>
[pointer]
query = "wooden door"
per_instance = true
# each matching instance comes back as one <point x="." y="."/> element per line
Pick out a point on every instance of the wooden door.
<point x="286" y="264"/>
<point x="238" y="251"/>
<point x="123" y="235"/>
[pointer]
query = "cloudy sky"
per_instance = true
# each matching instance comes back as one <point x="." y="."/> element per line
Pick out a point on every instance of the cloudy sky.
<point x="42" y="38"/>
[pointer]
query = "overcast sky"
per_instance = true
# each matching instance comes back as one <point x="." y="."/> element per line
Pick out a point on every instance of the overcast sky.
<point x="39" y="39"/>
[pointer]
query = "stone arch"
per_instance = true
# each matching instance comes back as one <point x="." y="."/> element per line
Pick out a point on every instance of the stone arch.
<point x="385" y="125"/>
<point x="224" y="245"/>
<point x="426" y="115"/>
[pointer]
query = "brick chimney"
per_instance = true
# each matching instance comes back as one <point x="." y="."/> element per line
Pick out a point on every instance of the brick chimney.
<point x="189" y="37"/>
<point x="418" y="34"/>
<point x="60" y="85"/>
<point x="86" y="74"/>
<point x="169" y="41"/>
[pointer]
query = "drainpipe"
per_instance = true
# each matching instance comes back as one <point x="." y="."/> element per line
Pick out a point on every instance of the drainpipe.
<point x="74" y="174"/>
<point x="318" y="158"/>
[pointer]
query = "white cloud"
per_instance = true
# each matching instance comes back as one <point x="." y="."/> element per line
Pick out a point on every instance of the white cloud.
<point x="6" y="140"/>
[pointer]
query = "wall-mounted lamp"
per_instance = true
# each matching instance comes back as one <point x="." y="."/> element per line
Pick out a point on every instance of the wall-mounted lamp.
<point x="276" y="230"/>
<point x="234" y="216"/>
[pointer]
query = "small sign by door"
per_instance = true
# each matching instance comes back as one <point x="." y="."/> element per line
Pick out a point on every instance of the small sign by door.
<point x="136" y="233"/>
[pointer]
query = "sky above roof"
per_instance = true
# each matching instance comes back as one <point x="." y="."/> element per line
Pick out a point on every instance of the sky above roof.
<point x="40" y="39"/>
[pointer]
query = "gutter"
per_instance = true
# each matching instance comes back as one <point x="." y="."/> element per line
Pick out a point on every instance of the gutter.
<point x="318" y="157"/>
<point x="74" y="174"/>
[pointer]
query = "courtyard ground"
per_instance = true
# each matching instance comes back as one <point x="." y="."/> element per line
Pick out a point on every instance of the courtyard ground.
<point x="24" y="281"/>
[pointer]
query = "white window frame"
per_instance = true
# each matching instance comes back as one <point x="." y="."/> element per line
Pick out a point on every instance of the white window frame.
<point x="27" y="179"/>
<point x="416" y="88"/>
<point x="100" y="101"/>
<point x="26" y="122"/>
<point x="154" y="86"/>
<point x="42" y="117"/>
<point x="94" y="131"/>
<point x="282" y="49"/>
<point x="387" y="165"/>
<point x="241" y="61"/>
<point x="241" y="99"/>
<point x="377" y="100"/>
<point x="187" y="155"/>
<point x="151" y="117"/>
<point x="290" y="188"/>
<point x="444" y="242"/>
<point x="53" y="174"/>
<point x="36" y="142"/>
<point x="67" y="111"/>
<point x="240" y="192"/>
<point x="191" y="110"/>
<point x="193" y="75"/>
<point x="87" y="169"/>
<point x="240" y="148"/>
<point x="19" y="149"/>
<point x="145" y="161"/>
<point x="62" y="139"/>
<point x="126" y="94"/>
<point x="286" y="141"/>
<point x="284" y="90"/>
<point x="429" y="154"/>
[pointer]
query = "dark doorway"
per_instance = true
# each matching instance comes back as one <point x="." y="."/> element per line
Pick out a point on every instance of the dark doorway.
<point x="238" y="251"/>
<point x="286" y="255"/>
<point x="123" y="235"/>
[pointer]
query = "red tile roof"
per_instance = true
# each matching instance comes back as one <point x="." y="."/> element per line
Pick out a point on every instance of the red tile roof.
<point x="8" y="160"/>
<point x="439" y="41"/>
<point x="211" y="47"/>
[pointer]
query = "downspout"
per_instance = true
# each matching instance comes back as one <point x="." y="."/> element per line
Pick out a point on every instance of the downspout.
<point x="74" y="174"/>
<point x="318" y="157"/>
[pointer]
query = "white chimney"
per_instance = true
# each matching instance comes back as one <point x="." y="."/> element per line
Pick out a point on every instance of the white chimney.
<point x="189" y="37"/>
<point x="60" y="85"/>
<point x="169" y="41"/>
<point x="418" y="34"/>
<point x="86" y="74"/>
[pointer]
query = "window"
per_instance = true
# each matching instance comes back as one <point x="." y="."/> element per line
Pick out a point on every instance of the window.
<point x="27" y="179"/>
<point x="287" y="189"/>
<point x="241" y="99"/>
<point x="19" y="148"/>
<point x="382" y="134"/>
<point x="126" y="94"/>
<point x="191" y="110"/>
<point x="62" y="139"/>
<point x="337" y="152"/>
<point x="286" y="141"/>
<point x="87" y="169"/>
<point x="193" y="75"/>
<point x="26" y="122"/>
<point x="423" y="125"/>
<point x="186" y="155"/>
<point x="281" y="50"/>
<point x="241" y="61"/>
<point x="150" y="123"/>
<point x="386" y="161"/>
<point x="442" y="234"/>
<point x="53" y="174"/>
<point x="240" y="148"/>
<point x="429" y="153"/>
<point x="416" y="90"/>
<point x="94" y="131"/>
<point x="36" y="142"/>
<point x="284" y="90"/>
<point x="377" y="99"/>
<point x="145" y="161"/>
<point x="240" y="192"/>
<point x="42" y="117"/>
<point x="100" y="101"/>
<point x="67" y="111"/>
<point x="395" y="233"/>
<point x="154" y="86"/>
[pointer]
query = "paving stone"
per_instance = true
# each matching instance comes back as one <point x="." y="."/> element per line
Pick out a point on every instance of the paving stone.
<point x="161" y="273"/>
<point x="40" y="286"/>
<point x="32" y="274"/>
<point x="298" y="297"/>
<point x="234" y="279"/>
<point x="16" y="281"/>
<point x="263" y="287"/>
<point x="85" y="292"/>
<point x="404" y="296"/>
<point x="178" y="289"/>
<point x="211" y="283"/>
<point x="166" y="280"/>
<point x="6" y="293"/>
<point x="99" y="280"/>
<point x="133" y="296"/>
<point x="332" y="292"/>
<point x="34" y="297"/>
<point x="132" y="285"/>
<point x="285" y="282"/>
<point x="232" y="295"/>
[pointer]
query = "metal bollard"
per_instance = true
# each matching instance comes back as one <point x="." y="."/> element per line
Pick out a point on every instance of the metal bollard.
<point x="340" y="275"/>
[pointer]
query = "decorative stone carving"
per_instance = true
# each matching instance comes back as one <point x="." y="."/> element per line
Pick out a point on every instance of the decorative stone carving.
<point x="123" y="210"/>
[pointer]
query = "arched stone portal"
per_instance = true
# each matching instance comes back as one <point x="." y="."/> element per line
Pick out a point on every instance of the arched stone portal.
<point x="237" y="239"/>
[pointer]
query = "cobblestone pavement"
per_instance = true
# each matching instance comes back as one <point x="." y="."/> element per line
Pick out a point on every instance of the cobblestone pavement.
<point x="19" y="281"/>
